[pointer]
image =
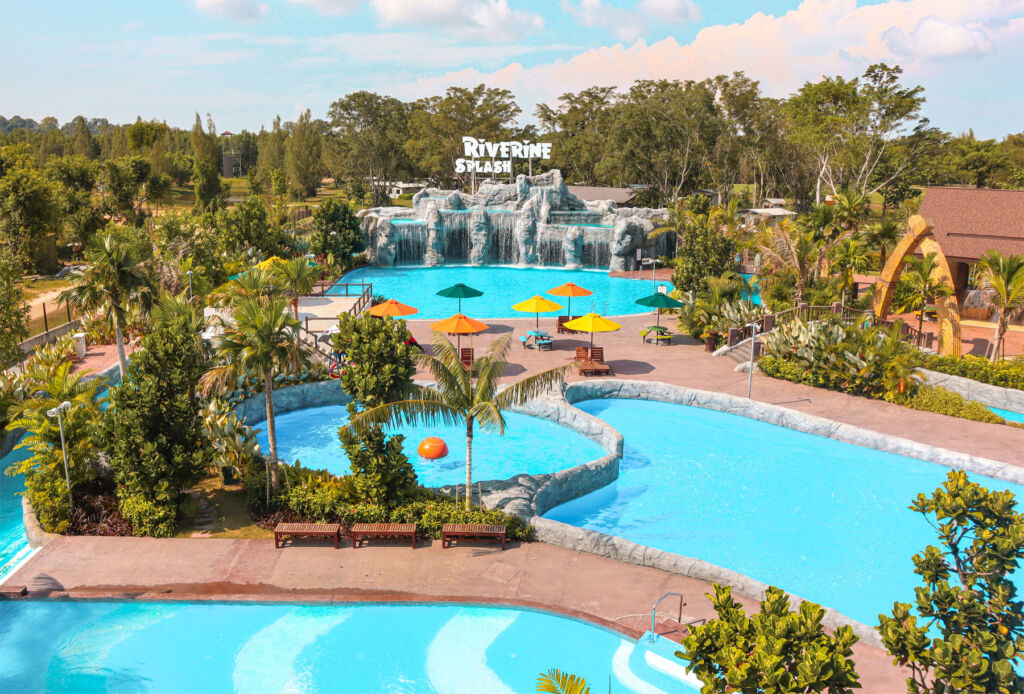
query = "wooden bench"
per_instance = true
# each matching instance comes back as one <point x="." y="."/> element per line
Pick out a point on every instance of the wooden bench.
<point x="393" y="531"/>
<point x="471" y="531"/>
<point x="295" y="530"/>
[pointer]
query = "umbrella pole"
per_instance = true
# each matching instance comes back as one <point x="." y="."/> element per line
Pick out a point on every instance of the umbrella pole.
<point x="537" y="316"/>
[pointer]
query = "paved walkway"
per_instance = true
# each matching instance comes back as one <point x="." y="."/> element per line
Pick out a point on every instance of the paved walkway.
<point x="616" y="595"/>
<point x="686" y="363"/>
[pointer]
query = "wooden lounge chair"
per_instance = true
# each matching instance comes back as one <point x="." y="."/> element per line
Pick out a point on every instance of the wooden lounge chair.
<point x="594" y="366"/>
<point x="582" y="354"/>
<point x="294" y="530"/>
<point x="392" y="531"/>
<point x="466" y="357"/>
<point x="472" y="531"/>
<point x="560" y="326"/>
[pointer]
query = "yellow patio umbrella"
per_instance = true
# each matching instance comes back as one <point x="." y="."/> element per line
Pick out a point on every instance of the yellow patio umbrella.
<point x="536" y="305"/>
<point x="593" y="323"/>
<point x="570" y="290"/>
<point x="460" y="325"/>
<point x="391" y="308"/>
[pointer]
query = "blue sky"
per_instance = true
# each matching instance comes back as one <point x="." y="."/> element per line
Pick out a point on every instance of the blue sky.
<point x="244" y="61"/>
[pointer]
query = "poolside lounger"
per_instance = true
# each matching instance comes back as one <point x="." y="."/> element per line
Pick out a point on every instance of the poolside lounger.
<point x="466" y="357"/>
<point x="472" y="531"/>
<point x="393" y="531"/>
<point x="582" y="354"/>
<point x="594" y="366"/>
<point x="294" y="530"/>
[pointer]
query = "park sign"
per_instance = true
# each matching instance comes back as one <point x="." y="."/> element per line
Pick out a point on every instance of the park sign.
<point x="482" y="156"/>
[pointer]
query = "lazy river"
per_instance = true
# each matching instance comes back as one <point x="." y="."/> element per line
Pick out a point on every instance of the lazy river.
<point x="530" y="445"/>
<point x="94" y="647"/>
<point x="502" y="286"/>
<point x="826" y="520"/>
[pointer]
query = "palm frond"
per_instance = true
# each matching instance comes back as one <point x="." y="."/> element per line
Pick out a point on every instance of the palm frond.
<point x="554" y="681"/>
<point x="530" y="387"/>
<point x="403" y="412"/>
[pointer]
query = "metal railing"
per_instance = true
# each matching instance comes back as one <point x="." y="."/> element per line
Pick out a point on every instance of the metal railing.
<point x="654" y="611"/>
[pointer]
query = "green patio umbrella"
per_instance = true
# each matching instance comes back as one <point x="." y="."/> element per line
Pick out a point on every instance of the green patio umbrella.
<point x="660" y="301"/>
<point x="460" y="291"/>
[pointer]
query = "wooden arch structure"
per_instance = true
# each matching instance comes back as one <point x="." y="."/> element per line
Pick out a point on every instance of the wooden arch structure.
<point x="948" y="311"/>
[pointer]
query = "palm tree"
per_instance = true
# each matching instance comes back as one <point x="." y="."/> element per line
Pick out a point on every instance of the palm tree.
<point x="177" y="314"/>
<point x="258" y="340"/>
<point x="787" y="246"/>
<point x="296" y="277"/>
<point x="884" y="236"/>
<point x="554" y="681"/>
<point x="826" y="229"/>
<point x="851" y="207"/>
<point x="1005" y="275"/>
<point x="920" y="277"/>
<point x="848" y="257"/>
<point x="459" y="397"/>
<point x="254" y="282"/>
<point x="113" y="281"/>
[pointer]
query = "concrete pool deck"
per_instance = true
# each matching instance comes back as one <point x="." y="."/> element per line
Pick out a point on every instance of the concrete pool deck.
<point x="600" y="590"/>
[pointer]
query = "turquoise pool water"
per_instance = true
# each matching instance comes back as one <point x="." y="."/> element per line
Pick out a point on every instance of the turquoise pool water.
<point x="502" y="287"/>
<point x="823" y="519"/>
<point x="13" y="543"/>
<point x="94" y="647"/>
<point x="530" y="445"/>
<point x="1009" y="414"/>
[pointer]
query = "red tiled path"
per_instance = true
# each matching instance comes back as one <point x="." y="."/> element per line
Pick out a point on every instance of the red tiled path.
<point x="583" y="585"/>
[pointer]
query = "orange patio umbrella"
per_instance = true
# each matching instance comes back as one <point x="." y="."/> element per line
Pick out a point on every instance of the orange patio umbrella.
<point x="570" y="290"/>
<point x="391" y="308"/>
<point x="459" y="324"/>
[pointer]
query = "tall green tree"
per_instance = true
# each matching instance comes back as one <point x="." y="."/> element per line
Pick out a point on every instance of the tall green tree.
<point x="113" y="282"/>
<point x="206" y="166"/>
<point x="154" y="431"/>
<point x="579" y="128"/>
<point x="302" y="157"/>
<point x="29" y="209"/>
<point x="776" y="651"/>
<point x="461" y="396"/>
<point x="885" y="235"/>
<point x="703" y="251"/>
<point x="849" y="256"/>
<point x="77" y="178"/>
<point x="246" y="225"/>
<point x="1005" y="276"/>
<point x="13" y="309"/>
<point x="381" y="361"/>
<point x="968" y="631"/>
<point x="84" y="144"/>
<point x="336" y="234"/>
<point x="369" y="136"/>
<point x="258" y="339"/>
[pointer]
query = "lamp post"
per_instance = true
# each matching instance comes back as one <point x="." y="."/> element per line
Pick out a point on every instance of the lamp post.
<point x="189" y="273"/>
<point x="56" y="412"/>
<point x="753" y="341"/>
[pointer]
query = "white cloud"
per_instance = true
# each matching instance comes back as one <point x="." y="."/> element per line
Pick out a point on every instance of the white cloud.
<point x="936" y="38"/>
<point x="820" y="37"/>
<point x="129" y="27"/>
<point x="333" y="8"/>
<point x="630" y="24"/>
<point x="484" y="19"/>
<point x="239" y="10"/>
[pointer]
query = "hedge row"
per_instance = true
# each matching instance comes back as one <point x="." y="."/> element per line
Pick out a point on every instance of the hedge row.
<point x="1003" y="373"/>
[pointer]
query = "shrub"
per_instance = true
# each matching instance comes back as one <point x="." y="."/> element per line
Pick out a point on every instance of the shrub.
<point x="381" y="472"/>
<point x="1003" y="373"/>
<point x="379" y="360"/>
<point x="147" y="517"/>
<point x="944" y="401"/>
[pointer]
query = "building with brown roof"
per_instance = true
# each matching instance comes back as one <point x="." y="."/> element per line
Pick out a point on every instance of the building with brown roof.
<point x="967" y="222"/>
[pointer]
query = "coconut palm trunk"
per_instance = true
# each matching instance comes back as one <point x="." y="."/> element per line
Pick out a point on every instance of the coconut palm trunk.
<point x="122" y="355"/>
<point x="268" y="379"/>
<point x="469" y="463"/>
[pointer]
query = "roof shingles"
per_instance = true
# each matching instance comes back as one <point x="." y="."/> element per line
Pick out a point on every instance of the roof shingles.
<point x="967" y="222"/>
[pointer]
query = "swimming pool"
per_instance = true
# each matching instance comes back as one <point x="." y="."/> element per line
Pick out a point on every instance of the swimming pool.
<point x="530" y="445"/>
<point x="820" y="518"/>
<point x="93" y="647"/>
<point x="1009" y="414"/>
<point x="502" y="287"/>
<point x="13" y="543"/>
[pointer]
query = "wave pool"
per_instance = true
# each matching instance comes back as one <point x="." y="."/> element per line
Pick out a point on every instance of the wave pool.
<point x="93" y="647"/>
<point x="826" y="520"/>
<point x="530" y="445"/>
<point x="502" y="286"/>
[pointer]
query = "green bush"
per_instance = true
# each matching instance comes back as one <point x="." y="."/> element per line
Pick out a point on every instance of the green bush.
<point x="381" y="472"/>
<point x="147" y="517"/>
<point x="944" y="401"/>
<point x="1003" y="373"/>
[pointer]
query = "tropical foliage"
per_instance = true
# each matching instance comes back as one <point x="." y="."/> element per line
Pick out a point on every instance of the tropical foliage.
<point x="554" y="681"/>
<point x="1005" y="276"/>
<point x="776" y="651"/>
<point x="1003" y="373"/>
<point x="965" y="630"/>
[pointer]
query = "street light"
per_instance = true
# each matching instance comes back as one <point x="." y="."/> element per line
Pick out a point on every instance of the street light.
<point x="753" y="342"/>
<point x="56" y="412"/>
<point x="189" y="273"/>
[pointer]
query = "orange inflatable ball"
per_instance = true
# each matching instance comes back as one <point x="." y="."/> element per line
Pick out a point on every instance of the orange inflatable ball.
<point x="432" y="448"/>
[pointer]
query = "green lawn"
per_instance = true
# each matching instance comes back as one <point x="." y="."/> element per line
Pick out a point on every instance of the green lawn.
<point x="231" y="515"/>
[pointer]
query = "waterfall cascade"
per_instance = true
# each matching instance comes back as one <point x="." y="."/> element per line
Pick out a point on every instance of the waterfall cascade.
<point x="534" y="221"/>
